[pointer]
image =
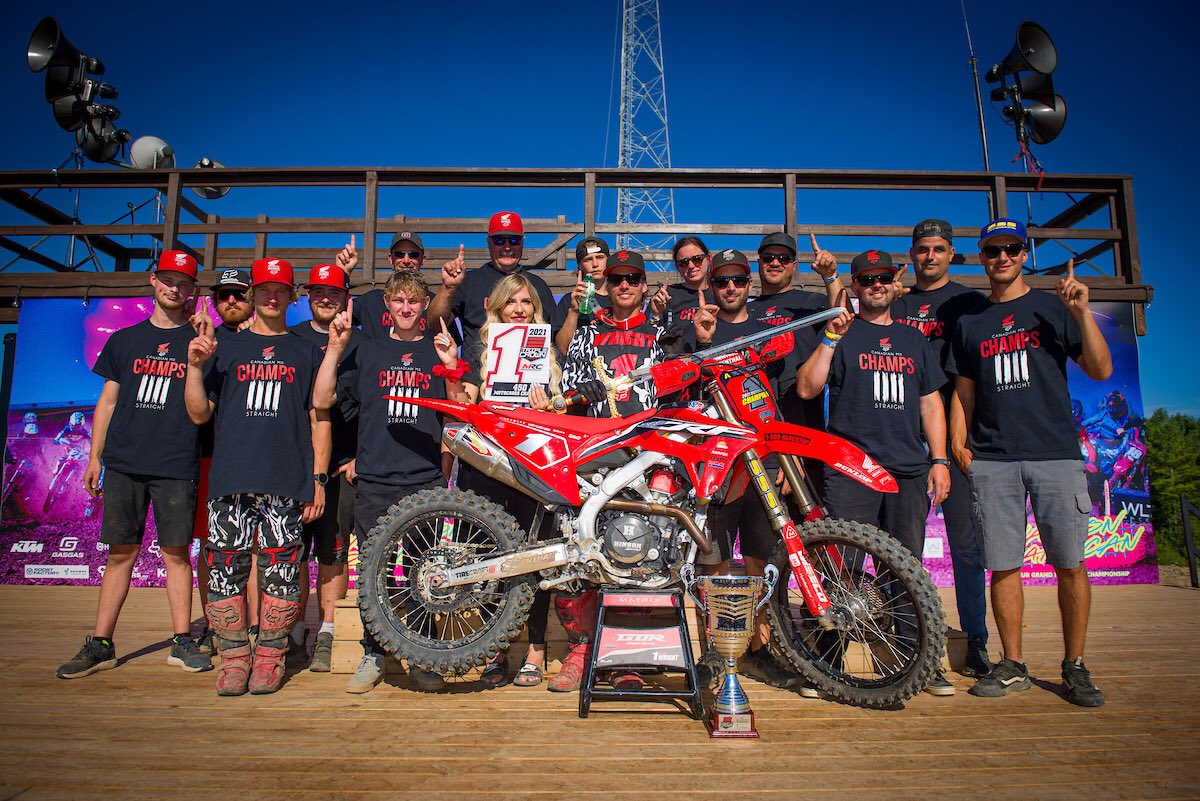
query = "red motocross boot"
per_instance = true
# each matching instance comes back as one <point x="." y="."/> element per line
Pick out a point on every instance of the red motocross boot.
<point x="578" y="616"/>
<point x="275" y="618"/>
<point x="227" y="619"/>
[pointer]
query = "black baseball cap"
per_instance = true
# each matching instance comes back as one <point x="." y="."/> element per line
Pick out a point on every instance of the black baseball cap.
<point x="593" y="244"/>
<point x="407" y="236"/>
<point x="932" y="227"/>
<point x="232" y="278"/>
<point x="625" y="258"/>
<point x="723" y="258"/>
<point x="779" y="238"/>
<point x="872" y="260"/>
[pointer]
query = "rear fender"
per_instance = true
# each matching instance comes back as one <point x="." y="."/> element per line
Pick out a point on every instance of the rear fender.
<point x="843" y="456"/>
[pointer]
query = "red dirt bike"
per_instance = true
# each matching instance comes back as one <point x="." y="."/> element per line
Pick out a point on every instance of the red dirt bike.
<point x="447" y="576"/>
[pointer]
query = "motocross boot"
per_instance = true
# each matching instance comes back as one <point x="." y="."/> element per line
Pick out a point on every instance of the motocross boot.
<point x="275" y="619"/>
<point x="227" y="620"/>
<point x="577" y="613"/>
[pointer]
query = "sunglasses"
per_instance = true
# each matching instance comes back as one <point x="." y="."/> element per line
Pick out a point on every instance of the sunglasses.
<point x="767" y="258"/>
<point x="868" y="280"/>
<point x="412" y="254"/>
<point x="696" y="260"/>
<point x="722" y="281"/>
<point x="633" y="279"/>
<point x="511" y="241"/>
<point x="236" y="295"/>
<point x="1013" y="249"/>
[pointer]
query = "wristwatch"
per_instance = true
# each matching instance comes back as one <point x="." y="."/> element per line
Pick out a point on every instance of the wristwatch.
<point x="321" y="478"/>
<point x="943" y="462"/>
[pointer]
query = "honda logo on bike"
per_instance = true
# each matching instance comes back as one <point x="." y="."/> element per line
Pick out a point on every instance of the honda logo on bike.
<point x="26" y="546"/>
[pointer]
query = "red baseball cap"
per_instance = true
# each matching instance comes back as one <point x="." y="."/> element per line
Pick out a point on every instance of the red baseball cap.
<point x="266" y="271"/>
<point x="506" y="222"/>
<point x="176" y="261"/>
<point x="328" y="275"/>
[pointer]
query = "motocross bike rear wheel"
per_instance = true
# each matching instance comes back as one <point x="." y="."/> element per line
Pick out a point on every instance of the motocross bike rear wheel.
<point x="452" y="629"/>
<point x="894" y="632"/>
<point x="58" y="487"/>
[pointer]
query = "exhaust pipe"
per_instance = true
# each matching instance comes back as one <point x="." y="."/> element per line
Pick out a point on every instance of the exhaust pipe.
<point x="481" y="452"/>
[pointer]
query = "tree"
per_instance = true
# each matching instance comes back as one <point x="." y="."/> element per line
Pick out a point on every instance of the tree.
<point x="1173" y="458"/>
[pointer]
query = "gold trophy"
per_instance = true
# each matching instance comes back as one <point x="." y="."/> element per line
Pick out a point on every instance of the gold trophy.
<point x="730" y="605"/>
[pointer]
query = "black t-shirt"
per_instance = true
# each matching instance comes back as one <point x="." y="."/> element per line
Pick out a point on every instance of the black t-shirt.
<point x="780" y="309"/>
<point x="1016" y="353"/>
<point x="676" y="319"/>
<point x="150" y="432"/>
<point x="935" y="314"/>
<point x="372" y="316"/>
<point x="208" y="430"/>
<point x="262" y="386"/>
<point x="343" y="417"/>
<point x="470" y="301"/>
<point x="877" y="378"/>
<point x="399" y="443"/>
<point x="785" y="306"/>
<point x="623" y="346"/>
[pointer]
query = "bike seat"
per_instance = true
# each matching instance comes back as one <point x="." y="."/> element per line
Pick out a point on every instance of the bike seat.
<point x="579" y="425"/>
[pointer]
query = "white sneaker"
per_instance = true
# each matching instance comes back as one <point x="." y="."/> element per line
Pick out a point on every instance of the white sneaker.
<point x="368" y="673"/>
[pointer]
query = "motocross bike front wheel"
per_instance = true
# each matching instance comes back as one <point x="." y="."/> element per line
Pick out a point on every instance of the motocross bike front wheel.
<point x="452" y="629"/>
<point x="892" y="634"/>
<point x="58" y="487"/>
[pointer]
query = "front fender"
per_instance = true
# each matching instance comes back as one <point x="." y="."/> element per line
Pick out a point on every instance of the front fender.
<point x="841" y="455"/>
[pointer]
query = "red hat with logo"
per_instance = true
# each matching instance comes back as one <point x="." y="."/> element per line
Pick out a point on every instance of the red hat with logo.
<point x="176" y="261"/>
<point x="328" y="275"/>
<point x="506" y="222"/>
<point x="267" y="271"/>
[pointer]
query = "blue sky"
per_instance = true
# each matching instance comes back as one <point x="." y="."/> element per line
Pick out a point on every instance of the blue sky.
<point x="785" y="85"/>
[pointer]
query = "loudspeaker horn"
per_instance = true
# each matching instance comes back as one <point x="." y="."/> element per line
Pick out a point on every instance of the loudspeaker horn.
<point x="209" y="192"/>
<point x="1033" y="50"/>
<point x="151" y="153"/>
<point x="1046" y="120"/>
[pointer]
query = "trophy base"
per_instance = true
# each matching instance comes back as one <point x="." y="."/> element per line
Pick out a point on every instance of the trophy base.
<point x="740" y="725"/>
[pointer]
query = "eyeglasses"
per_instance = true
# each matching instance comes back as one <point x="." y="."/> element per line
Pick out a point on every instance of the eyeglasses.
<point x="695" y="260"/>
<point x="1013" y="249"/>
<point x="722" y="281"/>
<point x="236" y="295"/>
<point x="782" y="258"/>
<point x="412" y="254"/>
<point x="511" y="241"/>
<point x="633" y="279"/>
<point x="871" y="278"/>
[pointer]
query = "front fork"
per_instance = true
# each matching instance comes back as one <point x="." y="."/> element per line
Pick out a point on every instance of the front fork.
<point x="810" y="584"/>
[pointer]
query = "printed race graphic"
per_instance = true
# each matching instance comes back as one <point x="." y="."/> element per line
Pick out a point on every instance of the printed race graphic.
<point x="160" y="376"/>
<point x="1009" y="355"/>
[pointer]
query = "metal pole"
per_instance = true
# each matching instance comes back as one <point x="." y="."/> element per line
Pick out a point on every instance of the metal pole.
<point x="987" y="164"/>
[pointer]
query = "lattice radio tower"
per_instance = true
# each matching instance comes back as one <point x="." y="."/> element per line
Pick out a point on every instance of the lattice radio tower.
<point x="643" y="134"/>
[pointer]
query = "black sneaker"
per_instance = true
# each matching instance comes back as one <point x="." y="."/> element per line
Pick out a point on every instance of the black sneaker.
<point x="1006" y="677"/>
<point x="977" y="664"/>
<point x="93" y="656"/>
<point x="186" y="654"/>
<point x="763" y="666"/>
<point x="1078" y="681"/>
<point x="710" y="668"/>
<point x="297" y="656"/>
<point x="205" y="642"/>
<point x="939" y="685"/>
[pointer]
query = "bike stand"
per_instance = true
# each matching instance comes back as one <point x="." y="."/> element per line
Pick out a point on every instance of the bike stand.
<point x="658" y="647"/>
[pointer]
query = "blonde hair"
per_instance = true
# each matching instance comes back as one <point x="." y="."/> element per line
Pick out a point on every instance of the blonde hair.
<point x="501" y="294"/>
<point x="406" y="282"/>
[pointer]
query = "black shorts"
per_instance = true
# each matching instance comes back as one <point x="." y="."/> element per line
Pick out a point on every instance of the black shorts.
<point x="372" y="500"/>
<point x="744" y="517"/>
<point x="329" y="536"/>
<point x="126" y="498"/>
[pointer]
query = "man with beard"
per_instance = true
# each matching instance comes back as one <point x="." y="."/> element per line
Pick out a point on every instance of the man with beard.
<point x="260" y="385"/>
<point x="933" y="307"/>
<point x="717" y="324"/>
<point x="370" y="309"/>
<point x="464" y="293"/>
<point x="1011" y="432"/>
<point x="328" y="537"/>
<point x="231" y="301"/>
<point x="883" y="380"/>
<point x="591" y="255"/>
<point x="150" y="453"/>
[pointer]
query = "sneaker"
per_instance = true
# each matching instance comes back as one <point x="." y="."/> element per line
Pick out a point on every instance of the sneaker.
<point x="368" y="673"/>
<point x="427" y="681"/>
<point x="93" y="656"/>
<point x="710" y="668"/>
<point x="939" y="685"/>
<point x="1078" y="681"/>
<point x="322" y="655"/>
<point x="809" y="690"/>
<point x="297" y="656"/>
<point x="205" y="642"/>
<point x="977" y="664"/>
<point x="1006" y="677"/>
<point x="186" y="654"/>
<point x="763" y="666"/>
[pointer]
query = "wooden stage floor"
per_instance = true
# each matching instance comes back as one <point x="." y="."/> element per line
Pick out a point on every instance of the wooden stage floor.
<point x="146" y="730"/>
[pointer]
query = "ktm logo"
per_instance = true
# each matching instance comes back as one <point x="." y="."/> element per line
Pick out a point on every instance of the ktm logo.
<point x="873" y="256"/>
<point x="924" y="310"/>
<point x="268" y="353"/>
<point x="163" y="348"/>
<point x="1008" y="323"/>
<point x="886" y="343"/>
<point x="181" y="259"/>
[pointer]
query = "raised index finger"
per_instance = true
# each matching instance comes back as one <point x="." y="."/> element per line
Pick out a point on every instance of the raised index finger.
<point x="700" y="294"/>
<point x="462" y="252"/>
<point x="442" y="320"/>
<point x="350" y="307"/>
<point x="353" y="247"/>
<point x="812" y="238"/>
<point x="1070" y="269"/>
